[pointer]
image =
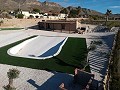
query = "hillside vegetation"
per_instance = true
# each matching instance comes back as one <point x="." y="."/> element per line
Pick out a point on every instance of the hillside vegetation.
<point x="115" y="67"/>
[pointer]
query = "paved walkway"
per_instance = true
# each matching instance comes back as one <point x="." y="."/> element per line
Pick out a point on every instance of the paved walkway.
<point x="99" y="58"/>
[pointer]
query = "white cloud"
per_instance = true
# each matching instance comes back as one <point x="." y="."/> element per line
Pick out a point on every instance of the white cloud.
<point x="114" y="6"/>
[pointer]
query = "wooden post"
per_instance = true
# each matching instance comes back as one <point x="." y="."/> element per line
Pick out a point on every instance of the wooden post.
<point x="69" y="28"/>
<point x="61" y="27"/>
<point x="45" y="26"/>
<point x="53" y="27"/>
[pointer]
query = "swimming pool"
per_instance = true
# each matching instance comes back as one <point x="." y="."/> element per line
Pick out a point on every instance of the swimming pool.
<point x="40" y="47"/>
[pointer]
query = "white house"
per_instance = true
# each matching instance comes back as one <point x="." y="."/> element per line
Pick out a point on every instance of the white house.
<point x="28" y="14"/>
<point x="59" y="16"/>
<point x="53" y="17"/>
<point x="25" y="13"/>
<point x="45" y="14"/>
<point x="62" y="16"/>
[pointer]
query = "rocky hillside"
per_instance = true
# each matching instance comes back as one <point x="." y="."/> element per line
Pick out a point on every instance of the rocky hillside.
<point x="82" y="11"/>
<point x="43" y="6"/>
<point x="29" y="5"/>
<point x="50" y="7"/>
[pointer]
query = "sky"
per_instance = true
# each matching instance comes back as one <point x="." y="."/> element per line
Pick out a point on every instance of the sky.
<point x="98" y="5"/>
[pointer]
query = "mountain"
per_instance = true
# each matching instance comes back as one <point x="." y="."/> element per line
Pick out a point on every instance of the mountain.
<point x="82" y="11"/>
<point x="29" y="5"/>
<point x="52" y="7"/>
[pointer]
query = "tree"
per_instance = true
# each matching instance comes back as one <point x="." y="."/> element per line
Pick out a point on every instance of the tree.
<point x="12" y="74"/>
<point x="65" y="11"/>
<point x="35" y="10"/>
<point x="78" y="7"/>
<point x="16" y="11"/>
<point x="20" y="16"/>
<point x="108" y="12"/>
<point x="73" y="13"/>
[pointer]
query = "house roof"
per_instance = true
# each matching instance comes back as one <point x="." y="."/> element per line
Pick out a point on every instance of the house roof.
<point x="60" y="21"/>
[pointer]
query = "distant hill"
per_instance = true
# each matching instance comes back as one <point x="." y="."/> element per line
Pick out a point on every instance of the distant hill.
<point x="29" y="5"/>
<point x="82" y="11"/>
<point x="43" y="6"/>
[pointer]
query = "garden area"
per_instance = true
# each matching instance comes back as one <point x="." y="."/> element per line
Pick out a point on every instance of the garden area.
<point x="109" y="24"/>
<point x="73" y="55"/>
<point x="10" y="28"/>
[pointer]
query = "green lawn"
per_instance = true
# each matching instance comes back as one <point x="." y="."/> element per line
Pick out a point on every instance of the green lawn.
<point x="10" y="28"/>
<point x="72" y="55"/>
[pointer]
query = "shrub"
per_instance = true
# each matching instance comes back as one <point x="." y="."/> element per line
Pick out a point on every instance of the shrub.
<point x="1" y="22"/>
<point x="92" y="47"/>
<point x="31" y="16"/>
<point x="114" y="67"/>
<point x="9" y="88"/>
<point x="36" y="10"/>
<point x="97" y="42"/>
<point x="65" y="11"/>
<point x="20" y="16"/>
<point x="37" y="16"/>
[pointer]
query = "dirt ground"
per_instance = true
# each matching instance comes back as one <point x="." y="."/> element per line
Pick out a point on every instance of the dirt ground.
<point x="19" y="23"/>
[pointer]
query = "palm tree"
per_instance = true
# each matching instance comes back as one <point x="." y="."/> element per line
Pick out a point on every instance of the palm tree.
<point x="108" y="14"/>
<point x="12" y="74"/>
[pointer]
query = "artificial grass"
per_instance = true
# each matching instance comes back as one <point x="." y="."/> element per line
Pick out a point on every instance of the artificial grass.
<point x="71" y="56"/>
<point x="74" y="52"/>
<point x="10" y="28"/>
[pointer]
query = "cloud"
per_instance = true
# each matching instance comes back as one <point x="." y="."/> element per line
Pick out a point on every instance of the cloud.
<point x="114" y="7"/>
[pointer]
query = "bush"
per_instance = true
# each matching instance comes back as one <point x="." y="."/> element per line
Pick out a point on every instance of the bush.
<point x="37" y="16"/>
<point x="9" y="88"/>
<point x="31" y="16"/>
<point x="65" y="11"/>
<point x="114" y="67"/>
<point x="111" y="24"/>
<point x="73" y="13"/>
<point x="20" y="16"/>
<point x="36" y="10"/>
<point x="97" y="42"/>
<point x="92" y="47"/>
<point x="1" y="22"/>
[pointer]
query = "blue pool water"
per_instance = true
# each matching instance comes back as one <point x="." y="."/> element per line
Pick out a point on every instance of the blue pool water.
<point x="52" y="50"/>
